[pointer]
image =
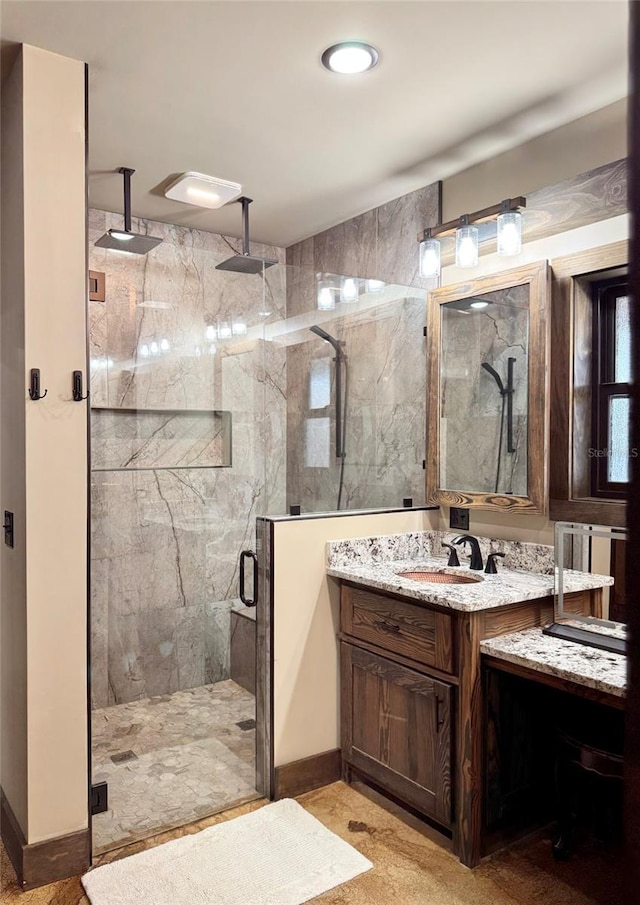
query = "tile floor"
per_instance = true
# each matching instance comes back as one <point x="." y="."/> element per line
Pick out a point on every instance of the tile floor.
<point x="172" y="759"/>
<point x="410" y="865"/>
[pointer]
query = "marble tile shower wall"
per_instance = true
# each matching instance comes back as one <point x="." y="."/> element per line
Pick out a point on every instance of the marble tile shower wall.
<point x="385" y="435"/>
<point x="165" y="541"/>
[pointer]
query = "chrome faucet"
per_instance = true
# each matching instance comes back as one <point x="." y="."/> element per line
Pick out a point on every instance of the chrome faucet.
<point x="476" y="555"/>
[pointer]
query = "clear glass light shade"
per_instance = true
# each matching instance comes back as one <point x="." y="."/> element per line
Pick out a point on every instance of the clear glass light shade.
<point x="349" y="289"/>
<point x="430" y="258"/>
<point x="239" y="328"/>
<point x="210" y="333"/>
<point x="326" y="296"/>
<point x="510" y="233"/>
<point x="224" y="330"/>
<point x="467" y="246"/>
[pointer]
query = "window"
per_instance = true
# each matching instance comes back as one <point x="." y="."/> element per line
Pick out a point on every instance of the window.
<point x="583" y="285"/>
<point x="610" y="453"/>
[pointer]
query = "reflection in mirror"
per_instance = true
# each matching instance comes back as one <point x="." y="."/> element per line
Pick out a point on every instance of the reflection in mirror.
<point x="484" y="392"/>
<point x="596" y="555"/>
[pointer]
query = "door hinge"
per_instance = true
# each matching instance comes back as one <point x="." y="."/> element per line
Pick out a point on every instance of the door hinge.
<point x="99" y="798"/>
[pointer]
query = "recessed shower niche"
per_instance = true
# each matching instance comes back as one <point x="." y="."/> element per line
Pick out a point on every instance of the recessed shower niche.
<point x="487" y="386"/>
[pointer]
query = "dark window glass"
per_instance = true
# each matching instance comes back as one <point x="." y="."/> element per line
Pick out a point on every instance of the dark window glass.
<point x="611" y="454"/>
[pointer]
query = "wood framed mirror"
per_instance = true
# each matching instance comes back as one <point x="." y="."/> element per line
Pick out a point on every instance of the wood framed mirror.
<point x="487" y="386"/>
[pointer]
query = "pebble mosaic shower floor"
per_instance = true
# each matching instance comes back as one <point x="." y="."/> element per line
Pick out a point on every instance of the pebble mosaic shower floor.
<point x="172" y="759"/>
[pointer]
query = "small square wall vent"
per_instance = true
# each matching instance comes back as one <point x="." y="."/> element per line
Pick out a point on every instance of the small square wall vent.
<point x="202" y="190"/>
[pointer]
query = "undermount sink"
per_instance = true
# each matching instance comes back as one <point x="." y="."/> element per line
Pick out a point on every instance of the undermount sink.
<point x="439" y="577"/>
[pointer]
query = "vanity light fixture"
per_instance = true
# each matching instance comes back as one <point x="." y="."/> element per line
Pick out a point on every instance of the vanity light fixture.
<point x="468" y="233"/>
<point x="429" y="265"/>
<point x="350" y="57"/>
<point x="202" y="190"/>
<point x="466" y="244"/>
<point x="509" y="233"/>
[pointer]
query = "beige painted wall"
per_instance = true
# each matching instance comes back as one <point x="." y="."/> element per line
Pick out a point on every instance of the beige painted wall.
<point x="52" y="485"/>
<point x="577" y="147"/>
<point x="13" y="572"/>
<point x="306" y="602"/>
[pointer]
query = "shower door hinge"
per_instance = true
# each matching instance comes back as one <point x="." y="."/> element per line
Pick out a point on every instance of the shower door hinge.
<point x="424" y="464"/>
<point x="99" y="798"/>
<point x="424" y="331"/>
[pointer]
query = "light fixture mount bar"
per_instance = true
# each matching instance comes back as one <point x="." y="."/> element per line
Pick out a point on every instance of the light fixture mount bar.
<point x="482" y="216"/>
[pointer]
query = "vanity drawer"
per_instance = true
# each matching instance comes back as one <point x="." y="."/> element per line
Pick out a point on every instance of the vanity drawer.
<point x="410" y="630"/>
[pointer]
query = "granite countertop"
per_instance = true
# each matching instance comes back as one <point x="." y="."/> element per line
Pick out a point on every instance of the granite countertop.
<point x="583" y="665"/>
<point x="507" y="587"/>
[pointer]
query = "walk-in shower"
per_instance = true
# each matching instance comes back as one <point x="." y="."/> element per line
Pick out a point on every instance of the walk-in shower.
<point x="183" y="399"/>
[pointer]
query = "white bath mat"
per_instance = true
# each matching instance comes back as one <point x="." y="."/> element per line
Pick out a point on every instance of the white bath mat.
<point x="277" y="855"/>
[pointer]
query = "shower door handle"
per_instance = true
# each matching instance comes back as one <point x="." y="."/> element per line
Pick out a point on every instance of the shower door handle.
<point x="243" y="557"/>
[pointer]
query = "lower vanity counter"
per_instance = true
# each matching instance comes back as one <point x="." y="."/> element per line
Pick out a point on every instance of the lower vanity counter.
<point x="543" y="656"/>
<point x="412" y="712"/>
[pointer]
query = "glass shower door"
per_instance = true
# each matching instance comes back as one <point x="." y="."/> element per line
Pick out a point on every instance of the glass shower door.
<point x="182" y="465"/>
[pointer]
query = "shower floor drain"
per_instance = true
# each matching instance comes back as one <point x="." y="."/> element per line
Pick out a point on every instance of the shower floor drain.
<point x="123" y="756"/>
<point x="245" y="725"/>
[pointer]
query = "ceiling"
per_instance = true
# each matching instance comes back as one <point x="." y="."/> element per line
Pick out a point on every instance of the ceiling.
<point x="235" y="89"/>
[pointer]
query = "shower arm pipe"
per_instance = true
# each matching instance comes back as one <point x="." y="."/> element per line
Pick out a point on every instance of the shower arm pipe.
<point x="245" y="202"/>
<point x="509" y="394"/>
<point x="127" y="173"/>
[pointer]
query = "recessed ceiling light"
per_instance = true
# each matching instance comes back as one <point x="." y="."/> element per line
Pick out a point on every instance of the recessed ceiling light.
<point x="202" y="191"/>
<point x="350" y="57"/>
<point x="479" y="304"/>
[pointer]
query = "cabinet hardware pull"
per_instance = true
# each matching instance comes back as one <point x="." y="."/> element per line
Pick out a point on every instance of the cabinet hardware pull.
<point x="439" y="722"/>
<point x="387" y="626"/>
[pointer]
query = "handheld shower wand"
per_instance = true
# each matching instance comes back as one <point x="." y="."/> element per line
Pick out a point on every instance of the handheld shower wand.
<point x="507" y="397"/>
<point x="341" y="406"/>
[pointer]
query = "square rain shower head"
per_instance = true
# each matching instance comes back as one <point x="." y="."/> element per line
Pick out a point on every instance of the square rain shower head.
<point x="246" y="264"/>
<point x="134" y="243"/>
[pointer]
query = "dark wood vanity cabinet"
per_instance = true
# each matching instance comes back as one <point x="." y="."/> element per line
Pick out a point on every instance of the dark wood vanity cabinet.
<point x="412" y="714"/>
<point x="397" y="705"/>
<point x="397" y="728"/>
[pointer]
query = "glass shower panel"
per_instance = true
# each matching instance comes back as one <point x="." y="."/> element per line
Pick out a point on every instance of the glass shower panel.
<point x="381" y="399"/>
<point x="180" y="379"/>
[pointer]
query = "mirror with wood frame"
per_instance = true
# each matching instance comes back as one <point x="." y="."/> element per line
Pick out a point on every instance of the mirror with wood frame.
<point x="487" y="423"/>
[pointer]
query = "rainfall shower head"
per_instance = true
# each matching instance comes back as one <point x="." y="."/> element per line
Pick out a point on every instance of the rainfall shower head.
<point x="495" y="376"/>
<point x="328" y="338"/>
<point x="246" y="262"/>
<point x="124" y="239"/>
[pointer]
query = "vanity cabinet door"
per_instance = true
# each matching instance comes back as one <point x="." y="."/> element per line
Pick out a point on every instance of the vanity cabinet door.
<point x="396" y="728"/>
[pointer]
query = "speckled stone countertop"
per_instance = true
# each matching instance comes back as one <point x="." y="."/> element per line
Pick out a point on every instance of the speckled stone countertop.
<point x="486" y="592"/>
<point x="588" y="666"/>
